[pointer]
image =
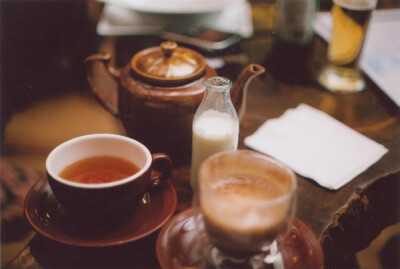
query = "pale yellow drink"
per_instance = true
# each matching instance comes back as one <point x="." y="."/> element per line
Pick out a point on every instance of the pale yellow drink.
<point x="213" y="132"/>
<point x="350" y="23"/>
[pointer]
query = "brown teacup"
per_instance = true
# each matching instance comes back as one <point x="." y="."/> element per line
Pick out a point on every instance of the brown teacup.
<point x="84" y="197"/>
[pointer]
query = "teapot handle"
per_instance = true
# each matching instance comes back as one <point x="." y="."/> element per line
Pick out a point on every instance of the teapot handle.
<point x="103" y="80"/>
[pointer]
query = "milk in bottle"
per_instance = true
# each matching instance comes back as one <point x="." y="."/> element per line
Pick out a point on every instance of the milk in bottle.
<point x="215" y="124"/>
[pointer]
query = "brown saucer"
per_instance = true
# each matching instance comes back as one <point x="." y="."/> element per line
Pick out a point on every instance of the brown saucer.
<point x="178" y="247"/>
<point x="50" y="219"/>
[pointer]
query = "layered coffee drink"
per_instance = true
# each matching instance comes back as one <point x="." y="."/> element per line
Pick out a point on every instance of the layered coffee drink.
<point x="245" y="198"/>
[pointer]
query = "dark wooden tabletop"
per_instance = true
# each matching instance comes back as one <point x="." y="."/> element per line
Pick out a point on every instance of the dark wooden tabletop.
<point x="345" y="220"/>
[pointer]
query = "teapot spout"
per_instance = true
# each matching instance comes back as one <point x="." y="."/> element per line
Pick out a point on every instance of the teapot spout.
<point x="239" y="89"/>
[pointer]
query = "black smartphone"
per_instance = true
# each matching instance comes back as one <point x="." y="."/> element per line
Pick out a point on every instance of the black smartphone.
<point x="204" y="38"/>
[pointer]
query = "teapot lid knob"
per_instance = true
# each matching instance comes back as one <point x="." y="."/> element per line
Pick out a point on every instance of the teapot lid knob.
<point x="168" y="47"/>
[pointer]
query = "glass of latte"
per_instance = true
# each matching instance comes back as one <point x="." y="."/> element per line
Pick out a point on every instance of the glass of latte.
<point x="244" y="207"/>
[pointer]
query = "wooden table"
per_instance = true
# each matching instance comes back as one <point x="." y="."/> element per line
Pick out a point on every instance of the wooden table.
<point x="345" y="220"/>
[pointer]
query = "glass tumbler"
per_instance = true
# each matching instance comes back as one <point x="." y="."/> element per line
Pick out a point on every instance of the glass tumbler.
<point x="350" y="25"/>
<point x="244" y="204"/>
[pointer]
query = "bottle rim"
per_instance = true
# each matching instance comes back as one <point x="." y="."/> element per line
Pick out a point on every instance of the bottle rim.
<point x="220" y="84"/>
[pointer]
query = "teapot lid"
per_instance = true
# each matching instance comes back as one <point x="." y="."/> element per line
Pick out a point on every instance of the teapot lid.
<point x="168" y="64"/>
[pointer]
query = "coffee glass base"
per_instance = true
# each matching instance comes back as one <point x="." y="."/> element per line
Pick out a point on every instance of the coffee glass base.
<point x="271" y="259"/>
<point x="341" y="80"/>
<point x="180" y="245"/>
<point x="268" y="257"/>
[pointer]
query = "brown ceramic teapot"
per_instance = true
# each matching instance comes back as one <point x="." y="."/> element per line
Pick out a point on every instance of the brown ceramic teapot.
<point x="158" y="92"/>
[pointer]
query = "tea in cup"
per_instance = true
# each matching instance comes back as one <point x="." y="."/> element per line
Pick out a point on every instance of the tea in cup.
<point x="103" y="173"/>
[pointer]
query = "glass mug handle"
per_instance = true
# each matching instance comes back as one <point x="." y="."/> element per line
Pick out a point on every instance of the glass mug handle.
<point x="160" y="169"/>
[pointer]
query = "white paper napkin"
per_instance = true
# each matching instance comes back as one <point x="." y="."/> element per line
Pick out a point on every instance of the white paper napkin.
<point x="316" y="146"/>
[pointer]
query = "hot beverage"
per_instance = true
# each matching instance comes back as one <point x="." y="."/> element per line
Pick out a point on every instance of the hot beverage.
<point x="247" y="232"/>
<point x="87" y="172"/>
<point x="244" y="198"/>
<point x="99" y="169"/>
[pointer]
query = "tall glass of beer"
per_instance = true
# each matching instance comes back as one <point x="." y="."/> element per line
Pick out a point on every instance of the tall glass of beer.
<point x="350" y="24"/>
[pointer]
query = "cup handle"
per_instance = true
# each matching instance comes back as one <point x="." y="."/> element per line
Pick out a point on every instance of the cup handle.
<point x="161" y="168"/>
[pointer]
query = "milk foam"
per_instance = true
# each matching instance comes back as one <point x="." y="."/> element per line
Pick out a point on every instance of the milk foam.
<point x="233" y="206"/>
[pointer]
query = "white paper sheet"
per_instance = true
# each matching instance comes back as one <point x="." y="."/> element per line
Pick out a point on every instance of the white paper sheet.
<point x="316" y="146"/>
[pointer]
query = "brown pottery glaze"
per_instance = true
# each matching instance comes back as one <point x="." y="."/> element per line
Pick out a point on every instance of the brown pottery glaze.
<point x="158" y="92"/>
<point x="51" y="219"/>
<point x="88" y="201"/>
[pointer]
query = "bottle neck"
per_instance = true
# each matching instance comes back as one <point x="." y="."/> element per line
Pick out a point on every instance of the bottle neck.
<point x="218" y="91"/>
<point x="217" y="97"/>
<point x="218" y="85"/>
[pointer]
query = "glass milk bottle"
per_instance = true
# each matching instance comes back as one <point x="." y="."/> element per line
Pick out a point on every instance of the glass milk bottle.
<point x="215" y="124"/>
